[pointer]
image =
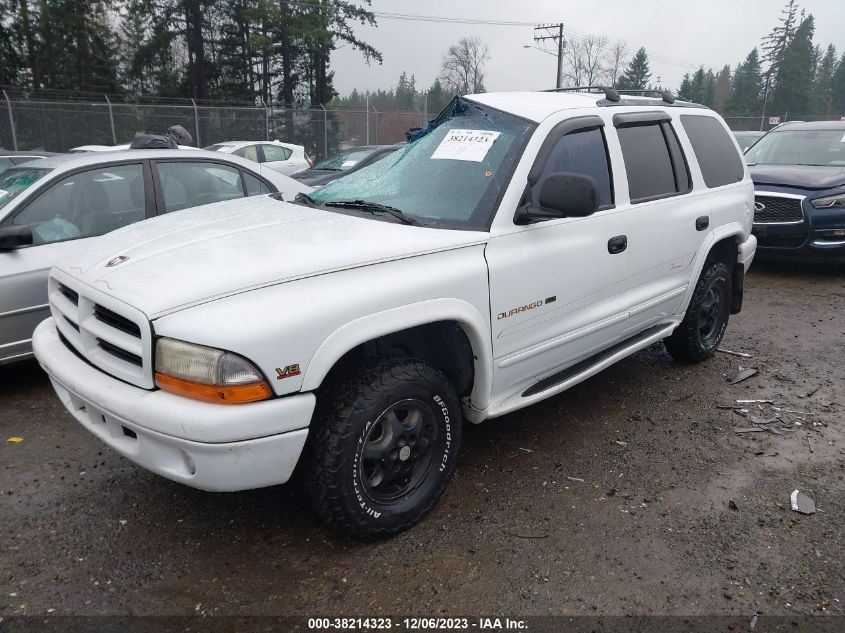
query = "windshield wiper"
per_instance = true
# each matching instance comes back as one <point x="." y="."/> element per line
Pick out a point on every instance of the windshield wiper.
<point x="374" y="207"/>
<point x="308" y="201"/>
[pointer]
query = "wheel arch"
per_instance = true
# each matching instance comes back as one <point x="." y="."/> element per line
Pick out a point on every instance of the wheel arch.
<point x="407" y="325"/>
<point x="722" y="245"/>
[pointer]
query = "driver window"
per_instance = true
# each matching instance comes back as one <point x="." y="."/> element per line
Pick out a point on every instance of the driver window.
<point x="580" y="153"/>
<point x="86" y="204"/>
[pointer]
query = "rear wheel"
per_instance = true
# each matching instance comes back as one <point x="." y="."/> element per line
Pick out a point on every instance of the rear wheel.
<point x="698" y="336"/>
<point x="382" y="447"/>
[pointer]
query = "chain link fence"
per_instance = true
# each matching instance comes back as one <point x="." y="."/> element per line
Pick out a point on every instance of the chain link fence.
<point x="60" y="122"/>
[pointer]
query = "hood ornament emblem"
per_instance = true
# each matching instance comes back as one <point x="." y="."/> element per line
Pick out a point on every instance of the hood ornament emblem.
<point x="759" y="206"/>
<point x="114" y="261"/>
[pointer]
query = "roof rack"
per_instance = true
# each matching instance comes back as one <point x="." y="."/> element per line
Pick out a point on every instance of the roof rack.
<point x="611" y="94"/>
<point x="667" y="96"/>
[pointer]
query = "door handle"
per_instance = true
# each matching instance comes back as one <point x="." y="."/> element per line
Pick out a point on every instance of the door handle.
<point x="617" y="244"/>
<point x="702" y="222"/>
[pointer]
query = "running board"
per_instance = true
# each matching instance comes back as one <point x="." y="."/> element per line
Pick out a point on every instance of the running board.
<point x="582" y="370"/>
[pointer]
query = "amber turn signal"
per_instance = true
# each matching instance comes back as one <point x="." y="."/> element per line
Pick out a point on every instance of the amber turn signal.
<point x="220" y="394"/>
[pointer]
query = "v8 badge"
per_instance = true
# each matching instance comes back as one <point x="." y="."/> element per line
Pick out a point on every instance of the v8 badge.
<point x="288" y="372"/>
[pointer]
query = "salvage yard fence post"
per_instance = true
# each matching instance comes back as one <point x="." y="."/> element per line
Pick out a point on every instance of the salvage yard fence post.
<point x="111" y="121"/>
<point x="11" y="122"/>
<point x="196" y="123"/>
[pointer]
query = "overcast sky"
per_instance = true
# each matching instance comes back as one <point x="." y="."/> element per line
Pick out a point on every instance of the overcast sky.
<point x="683" y="34"/>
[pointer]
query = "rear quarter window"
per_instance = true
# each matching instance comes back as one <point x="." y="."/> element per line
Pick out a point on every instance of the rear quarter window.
<point x="714" y="149"/>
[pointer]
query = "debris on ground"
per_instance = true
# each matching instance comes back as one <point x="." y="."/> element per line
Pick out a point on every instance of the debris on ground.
<point x="621" y="443"/>
<point x="575" y="479"/>
<point x="802" y="503"/>
<point x="740" y="374"/>
<point x="15" y="440"/>
<point x="811" y="391"/>
<point x="526" y="450"/>
<point x="733" y="506"/>
<point x="732" y="353"/>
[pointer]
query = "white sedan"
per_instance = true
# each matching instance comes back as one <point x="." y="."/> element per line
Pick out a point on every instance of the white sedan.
<point x="285" y="158"/>
<point x="51" y="208"/>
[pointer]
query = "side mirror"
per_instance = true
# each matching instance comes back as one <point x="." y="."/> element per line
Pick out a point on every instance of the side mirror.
<point x="563" y="195"/>
<point x="15" y="236"/>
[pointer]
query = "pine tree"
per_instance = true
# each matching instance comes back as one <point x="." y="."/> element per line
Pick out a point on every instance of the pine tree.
<point x="775" y="43"/>
<point x="791" y="90"/>
<point x="722" y="90"/>
<point x="837" y="91"/>
<point x="747" y="87"/>
<point x="823" y="83"/>
<point x="685" y="90"/>
<point x="637" y="74"/>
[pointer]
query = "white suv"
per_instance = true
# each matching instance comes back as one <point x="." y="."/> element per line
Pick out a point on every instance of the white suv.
<point x="520" y="244"/>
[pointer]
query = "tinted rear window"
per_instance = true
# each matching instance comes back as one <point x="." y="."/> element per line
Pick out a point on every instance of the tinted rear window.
<point x="647" y="161"/>
<point x="716" y="152"/>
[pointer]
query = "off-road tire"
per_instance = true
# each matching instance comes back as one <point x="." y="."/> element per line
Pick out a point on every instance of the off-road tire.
<point x="344" y="422"/>
<point x="687" y="343"/>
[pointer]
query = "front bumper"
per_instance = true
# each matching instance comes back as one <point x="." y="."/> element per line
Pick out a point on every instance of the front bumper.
<point x="203" y="445"/>
<point x="816" y="236"/>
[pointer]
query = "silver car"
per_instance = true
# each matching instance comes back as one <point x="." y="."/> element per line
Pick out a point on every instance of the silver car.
<point x="53" y="207"/>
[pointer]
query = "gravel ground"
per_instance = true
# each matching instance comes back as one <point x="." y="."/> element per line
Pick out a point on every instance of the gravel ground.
<point x="629" y="494"/>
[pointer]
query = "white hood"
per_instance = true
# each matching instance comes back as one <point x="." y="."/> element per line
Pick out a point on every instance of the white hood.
<point x="197" y="255"/>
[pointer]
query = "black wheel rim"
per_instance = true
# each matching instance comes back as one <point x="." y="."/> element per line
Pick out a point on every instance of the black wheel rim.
<point x="398" y="451"/>
<point x="710" y="316"/>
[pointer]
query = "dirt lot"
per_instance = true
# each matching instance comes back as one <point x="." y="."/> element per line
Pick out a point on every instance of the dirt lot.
<point x="630" y="494"/>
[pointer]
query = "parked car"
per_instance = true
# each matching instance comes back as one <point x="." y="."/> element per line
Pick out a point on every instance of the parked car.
<point x="747" y="138"/>
<point x="10" y="158"/>
<point x="798" y="170"/>
<point x="521" y="244"/>
<point x="50" y="207"/>
<point x="346" y="162"/>
<point x="285" y="158"/>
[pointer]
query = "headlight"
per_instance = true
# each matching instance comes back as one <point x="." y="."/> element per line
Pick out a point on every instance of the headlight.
<point x="207" y="374"/>
<point x="831" y="202"/>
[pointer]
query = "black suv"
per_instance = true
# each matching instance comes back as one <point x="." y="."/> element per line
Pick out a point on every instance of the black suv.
<point x="799" y="180"/>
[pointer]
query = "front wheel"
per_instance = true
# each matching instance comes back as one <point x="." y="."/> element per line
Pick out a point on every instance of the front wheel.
<point x="698" y="336"/>
<point x="383" y="446"/>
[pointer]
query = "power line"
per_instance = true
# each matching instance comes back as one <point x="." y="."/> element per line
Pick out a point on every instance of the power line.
<point x="573" y="34"/>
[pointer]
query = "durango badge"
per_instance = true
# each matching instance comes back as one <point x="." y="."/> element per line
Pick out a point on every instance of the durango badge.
<point x="114" y="261"/>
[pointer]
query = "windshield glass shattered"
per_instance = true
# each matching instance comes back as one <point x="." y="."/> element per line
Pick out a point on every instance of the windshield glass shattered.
<point x="799" y="147"/>
<point x="451" y="174"/>
<point x="15" y="181"/>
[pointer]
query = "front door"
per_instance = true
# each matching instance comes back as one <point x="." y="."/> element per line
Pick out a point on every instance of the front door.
<point x="62" y="218"/>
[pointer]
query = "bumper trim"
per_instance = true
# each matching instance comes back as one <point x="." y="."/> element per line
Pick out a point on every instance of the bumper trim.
<point x="207" y="446"/>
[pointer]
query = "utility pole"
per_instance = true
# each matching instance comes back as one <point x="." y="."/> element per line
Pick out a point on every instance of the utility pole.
<point x="548" y="33"/>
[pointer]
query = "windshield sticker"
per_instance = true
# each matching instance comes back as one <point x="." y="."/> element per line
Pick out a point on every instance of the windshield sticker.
<point x="348" y="163"/>
<point x="3" y="193"/>
<point x="470" y="145"/>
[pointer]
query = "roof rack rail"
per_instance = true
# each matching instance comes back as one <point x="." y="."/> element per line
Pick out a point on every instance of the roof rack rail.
<point x="611" y="94"/>
<point x="667" y="96"/>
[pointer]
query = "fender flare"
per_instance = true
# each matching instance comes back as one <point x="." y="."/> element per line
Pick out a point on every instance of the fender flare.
<point x="732" y="229"/>
<point x="475" y="325"/>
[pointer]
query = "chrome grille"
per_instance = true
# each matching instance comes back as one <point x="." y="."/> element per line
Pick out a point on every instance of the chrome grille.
<point x="106" y="332"/>
<point x="777" y="210"/>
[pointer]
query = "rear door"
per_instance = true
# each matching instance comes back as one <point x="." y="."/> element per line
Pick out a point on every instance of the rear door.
<point x="182" y="184"/>
<point x="281" y="159"/>
<point x="63" y="216"/>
